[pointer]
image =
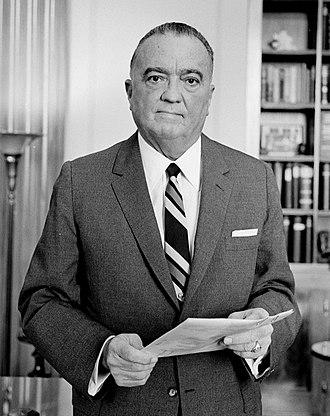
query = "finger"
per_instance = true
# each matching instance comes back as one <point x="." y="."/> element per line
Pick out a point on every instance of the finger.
<point x="120" y="345"/>
<point x="242" y="347"/>
<point x="131" y="375"/>
<point x="249" y="336"/>
<point x="116" y="361"/>
<point x="246" y="350"/>
<point x="256" y="313"/>
<point x="129" y="353"/>
<point x="250" y="354"/>
<point x="253" y="313"/>
<point x="130" y="383"/>
<point x="135" y="341"/>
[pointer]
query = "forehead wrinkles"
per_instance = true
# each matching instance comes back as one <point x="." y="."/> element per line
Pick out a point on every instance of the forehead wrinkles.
<point x="173" y="52"/>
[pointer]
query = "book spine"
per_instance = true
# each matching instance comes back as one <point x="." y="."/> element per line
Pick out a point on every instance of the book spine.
<point x="295" y="185"/>
<point x="307" y="86"/>
<point x="263" y="83"/>
<point x="325" y="134"/>
<point x="312" y="85"/>
<point x="299" y="83"/>
<point x="277" y="84"/>
<point x="328" y="28"/>
<point x="324" y="84"/>
<point x="286" y="226"/>
<point x="278" y="172"/>
<point x="309" y="240"/>
<point x="293" y="84"/>
<point x="310" y="143"/>
<point x="325" y="45"/>
<point x="306" y="187"/>
<point x="303" y="76"/>
<point x="298" y="229"/>
<point x="326" y="186"/>
<point x="270" y="84"/>
<point x="288" y="185"/>
<point x="283" y="84"/>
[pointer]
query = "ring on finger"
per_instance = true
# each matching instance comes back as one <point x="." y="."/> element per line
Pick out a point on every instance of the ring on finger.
<point x="256" y="348"/>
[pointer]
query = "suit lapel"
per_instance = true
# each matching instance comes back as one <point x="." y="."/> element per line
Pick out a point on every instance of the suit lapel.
<point x="215" y="194"/>
<point x="132" y="193"/>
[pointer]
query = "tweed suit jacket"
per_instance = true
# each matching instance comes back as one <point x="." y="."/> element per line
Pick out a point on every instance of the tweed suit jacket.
<point x="99" y="269"/>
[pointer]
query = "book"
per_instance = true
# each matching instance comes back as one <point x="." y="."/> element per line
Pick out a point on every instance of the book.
<point x="327" y="32"/>
<point x="287" y="31"/>
<point x="325" y="186"/>
<point x="325" y="134"/>
<point x="288" y="185"/>
<point x="311" y="91"/>
<point x="287" y="83"/>
<point x="298" y="229"/>
<point x="309" y="240"/>
<point x="286" y="225"/>
<point x="295" y="185"/>
<point x="324" y="84"/>
<point x="325" y="41"/>
<point x="282" y="133"/>
<point x="264" y="83"/>
<point x="306" y="187"/>
<point x="278" y="172"/>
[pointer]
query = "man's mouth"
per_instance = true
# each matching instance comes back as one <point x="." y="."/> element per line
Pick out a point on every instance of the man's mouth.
<point x="169" y="113"/>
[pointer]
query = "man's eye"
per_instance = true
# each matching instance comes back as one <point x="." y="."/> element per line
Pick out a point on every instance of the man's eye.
<point x="154" y="79"/>
<point x="192" y="82"/>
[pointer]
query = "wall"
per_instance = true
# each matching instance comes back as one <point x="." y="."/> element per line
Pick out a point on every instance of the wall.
<point x="103" y="37"/>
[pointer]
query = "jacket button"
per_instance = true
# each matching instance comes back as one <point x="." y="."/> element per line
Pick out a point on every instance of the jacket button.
<point x="172" y="392"/>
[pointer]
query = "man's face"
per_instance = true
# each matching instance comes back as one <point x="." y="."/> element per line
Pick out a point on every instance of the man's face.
<point x="170" y="90"/>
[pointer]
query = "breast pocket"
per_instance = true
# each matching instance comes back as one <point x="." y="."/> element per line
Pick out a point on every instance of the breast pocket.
<point x="242" y="243"/>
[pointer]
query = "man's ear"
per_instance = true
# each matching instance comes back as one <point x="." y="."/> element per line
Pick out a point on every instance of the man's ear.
<point x="128" y="88"/>
<point x="212" y="88"/>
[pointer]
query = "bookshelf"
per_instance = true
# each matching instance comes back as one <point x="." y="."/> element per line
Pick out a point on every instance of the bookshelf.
<point x="295" y="120"/>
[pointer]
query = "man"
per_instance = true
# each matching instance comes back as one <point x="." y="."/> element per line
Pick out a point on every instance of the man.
<point x="134" y="244"/>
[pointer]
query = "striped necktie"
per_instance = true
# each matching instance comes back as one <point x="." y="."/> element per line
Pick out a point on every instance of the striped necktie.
<point x="176" y="235"/>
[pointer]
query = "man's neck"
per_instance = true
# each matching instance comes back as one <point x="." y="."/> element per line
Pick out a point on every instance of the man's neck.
<point x="171" y="149"/>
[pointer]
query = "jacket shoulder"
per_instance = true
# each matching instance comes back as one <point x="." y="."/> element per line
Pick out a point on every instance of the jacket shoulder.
<point x="239" y="162"/>
<point x="97" y="158"/>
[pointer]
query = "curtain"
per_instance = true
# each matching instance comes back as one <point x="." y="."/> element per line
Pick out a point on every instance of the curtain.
<point x="33" y="85"/>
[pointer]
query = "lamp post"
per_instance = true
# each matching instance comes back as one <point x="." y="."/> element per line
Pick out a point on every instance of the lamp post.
<point x="12" y="145"/>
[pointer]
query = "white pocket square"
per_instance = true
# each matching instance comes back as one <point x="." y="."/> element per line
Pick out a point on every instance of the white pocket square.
<point x="249" y="232"/>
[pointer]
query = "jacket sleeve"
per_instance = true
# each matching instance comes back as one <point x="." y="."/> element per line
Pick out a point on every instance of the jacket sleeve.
<point x="273" y="287"/>
<point x="50" y="302"/>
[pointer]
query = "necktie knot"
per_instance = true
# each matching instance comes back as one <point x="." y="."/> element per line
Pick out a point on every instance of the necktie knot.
<point x="173" y="170"/>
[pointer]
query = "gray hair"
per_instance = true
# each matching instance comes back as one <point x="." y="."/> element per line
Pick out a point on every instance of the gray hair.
<point x="180" y="29"/>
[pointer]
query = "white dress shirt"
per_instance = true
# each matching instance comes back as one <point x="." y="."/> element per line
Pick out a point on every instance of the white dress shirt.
<point x="189" y="182"/>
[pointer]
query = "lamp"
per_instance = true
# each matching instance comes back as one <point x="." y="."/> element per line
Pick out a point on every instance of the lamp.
<point x="12" y="145"/>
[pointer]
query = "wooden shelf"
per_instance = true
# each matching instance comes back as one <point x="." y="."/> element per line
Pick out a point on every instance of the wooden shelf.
<point x="286" y="158"/>
<point x="324" y="214"/>
<point x="287" y="106"/>
<point x="297" y="212"/>
<point x="302" y="53"/>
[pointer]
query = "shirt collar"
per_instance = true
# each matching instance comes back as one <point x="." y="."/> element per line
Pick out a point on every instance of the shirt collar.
<point x="155" y="164"/>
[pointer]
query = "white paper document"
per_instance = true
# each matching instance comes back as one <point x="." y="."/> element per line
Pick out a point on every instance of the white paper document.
<point x="196" y="335"/>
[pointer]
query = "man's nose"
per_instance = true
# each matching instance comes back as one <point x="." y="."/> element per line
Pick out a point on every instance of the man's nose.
<point x="172" y="92"/>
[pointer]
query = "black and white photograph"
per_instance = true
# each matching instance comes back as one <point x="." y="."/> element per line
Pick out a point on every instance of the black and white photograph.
<point x="164" y="208"/>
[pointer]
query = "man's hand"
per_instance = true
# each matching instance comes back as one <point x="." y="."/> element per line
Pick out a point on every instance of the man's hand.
<point x="128" y="365"/>
<point x="242" y="344"/>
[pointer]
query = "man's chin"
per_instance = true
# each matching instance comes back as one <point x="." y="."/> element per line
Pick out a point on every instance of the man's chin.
<point x="169" y="132"/>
